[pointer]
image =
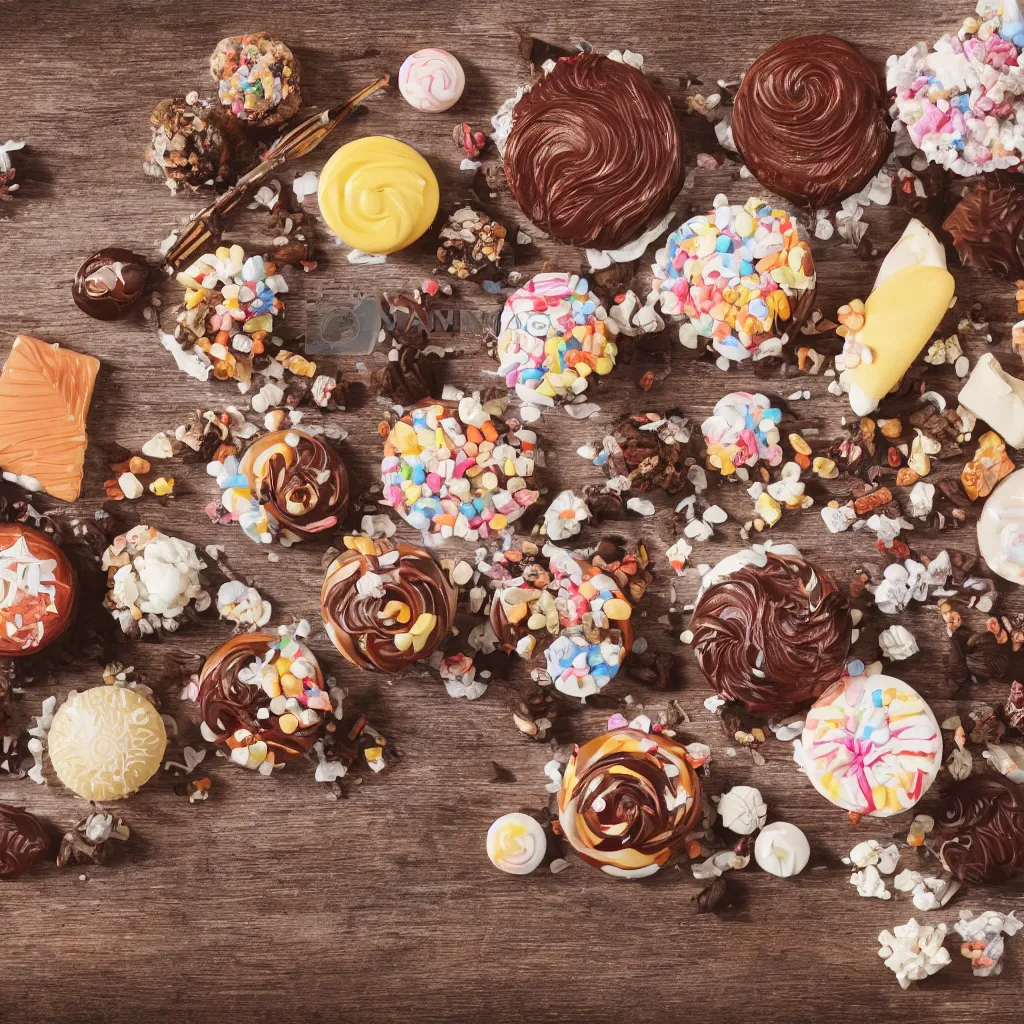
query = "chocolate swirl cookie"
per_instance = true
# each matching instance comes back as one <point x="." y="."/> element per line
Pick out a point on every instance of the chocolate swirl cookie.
<point x="982" y="827"/>
<point x="386" y="606"/>
<point x="628" y="802"/>
<point x="809" y="119"/>
<point x="299" y="480"/>
<point x="109" y="283"/>
<point x="594" y="156"/>
<point x="23" y="840"/>
<point x="262" y="698"/>
<point x="771" y="630"/>
<point x="988" y="231"/>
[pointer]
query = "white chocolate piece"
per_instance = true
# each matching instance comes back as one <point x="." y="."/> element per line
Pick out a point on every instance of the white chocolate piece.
<point x="912" y="292"/>
<point x="106" y="743"/>
<point x="996" y="397"/>
<point x="1001" y="529"/>
<point x="742" y="810"/>
<point x="782" y="849"/>
<point x="516" y="843"/>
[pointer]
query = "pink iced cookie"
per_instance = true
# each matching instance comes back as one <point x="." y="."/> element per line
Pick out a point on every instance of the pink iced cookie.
<point x="431" y="79"/>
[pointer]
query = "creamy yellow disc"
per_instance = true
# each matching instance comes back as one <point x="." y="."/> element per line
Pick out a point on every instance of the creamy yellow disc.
<point x="106" y="742"/>
<point x="378" y="194"/>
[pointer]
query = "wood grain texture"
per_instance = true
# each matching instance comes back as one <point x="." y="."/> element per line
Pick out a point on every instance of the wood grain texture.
<point x="273" y="900"/>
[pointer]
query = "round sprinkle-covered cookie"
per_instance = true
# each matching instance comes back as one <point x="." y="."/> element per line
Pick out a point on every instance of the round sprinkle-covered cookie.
<point x="871" y="745"/>
<point x="378" y="194"/>
<point x="741" y="276"/>
<point x="386" y="606"/>
<point x="454" y="470"/>
<point x="554" y="334"/>
<point x="629" y="801"/>
<point x="38" y="590"/>
<point x="594" y="156"/>
<point x="809" y="119"/>
<point x="257" y="79"/>
<point x="431" y="79"/>
<point x="262" y="698"/>
<point x="770" y="629"/>
<point x="106" y="743"/>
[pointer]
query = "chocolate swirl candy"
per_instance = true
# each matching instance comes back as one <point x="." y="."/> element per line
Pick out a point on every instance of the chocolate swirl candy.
<point x="629" y="801"/>
<point x="23" y="840"/>
<point x="982" y="827"/>
<point x="809" y="119"/>
<point x="386" y="606"/>
<point x="262" y="698"/>
<point x="298" y="480"/>
<point x="988" y="231"/>
<point x="771" y="630"/>
<point x="38" y="590"/>
<point x="594" y="156"/>
<point x="109" y="283"/>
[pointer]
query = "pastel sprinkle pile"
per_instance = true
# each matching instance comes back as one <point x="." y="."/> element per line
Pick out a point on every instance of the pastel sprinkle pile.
<point x="554" y="335"/>
<point x="733" y="273"/>
<point x="256" y="76"/>
<point x="742" y="431"/>
<point x="959" y="100"/>
<point x="456" y="472"/>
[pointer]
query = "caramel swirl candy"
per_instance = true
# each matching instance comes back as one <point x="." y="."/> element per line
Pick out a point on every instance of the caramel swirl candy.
<point x="386" y="606"/>
<point x="629" y="800"/>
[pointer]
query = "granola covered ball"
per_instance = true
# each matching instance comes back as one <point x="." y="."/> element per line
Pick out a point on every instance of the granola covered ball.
<point x="194" y="143"/>
<point x="257" y="79"/>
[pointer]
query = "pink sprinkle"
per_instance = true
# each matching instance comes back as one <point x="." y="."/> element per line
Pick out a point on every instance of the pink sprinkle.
<point x="617" y="722"/>
<point x="430" y="286"/>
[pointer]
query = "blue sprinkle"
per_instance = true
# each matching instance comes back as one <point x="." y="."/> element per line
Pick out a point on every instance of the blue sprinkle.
<point x="583" y="287"/>
<point x="492" y="287"/>
<point x="238" y="480"/>
<point x="876" y="698"/>
<point x="468" y="509"/>
<point x="724" y="243"/>
<point x="601" y="459"/>
<point x="419" y="474"/>
<point x="855" y="667"/>
<point x="772" y="414"/>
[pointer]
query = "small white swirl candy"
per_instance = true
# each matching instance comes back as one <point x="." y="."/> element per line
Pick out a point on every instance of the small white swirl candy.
<point x="431" y="79"/>
<point x="516" y="843"/>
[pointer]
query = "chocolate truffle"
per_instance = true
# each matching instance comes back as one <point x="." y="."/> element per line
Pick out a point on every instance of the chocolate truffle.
<point x="109" y="283"/>
<point x="386" y="606"/>
<point x="809" y="119"/>
<point x="771" y="630"/>
<point x="106" y="743"/>
<point x="257" y="79"/>
<point x="23" y="840"/>
<point x="988" y="231"/>
<point x="194" y="143"/>
<point x="262" y="698"/>
<point x="982" y="829"/>
<point x="298" y="480"/>
<point x="38" y="590"/>
<point x="594" y="156"/>
<point x="629" y="801"/>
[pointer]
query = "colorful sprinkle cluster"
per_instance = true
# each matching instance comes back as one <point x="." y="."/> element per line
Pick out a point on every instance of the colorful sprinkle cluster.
<point x="456" y="472"/>
<point x="554" y="335"/>
<point x="742" y="431"/>
<point x="733" y="274"/>
<point x="959" y="100"/>
<point x="254" y="74"/>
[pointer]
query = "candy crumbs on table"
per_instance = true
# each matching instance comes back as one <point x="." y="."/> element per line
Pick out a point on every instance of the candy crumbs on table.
<point x="257" y="79"/>
<point x="24" y="841"/>
<point x="871" y="745"/>
<point x="740" y="277"/>
<point x="629" y="801"/>
<point x="989" y="465"/>
<point x="982" y="939"/>
<point x="456" y="470"/>
<point x="554" y="335"/>
<point x="742" y="431"/>
<point x="45" y="393"/>
<point x="473" y="244"/>
<point x="263" y="700"/>
<point x="516" y="844"/>
<point x="106" y="743"/>
<point x="914" y="951"/>
<point x="92" y="840"/>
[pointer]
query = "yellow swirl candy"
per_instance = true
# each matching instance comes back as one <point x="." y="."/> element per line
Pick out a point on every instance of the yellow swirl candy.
<point x="378" y="194"/>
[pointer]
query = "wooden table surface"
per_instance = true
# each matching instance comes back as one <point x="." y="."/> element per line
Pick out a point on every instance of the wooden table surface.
<point x="274" y="900"/>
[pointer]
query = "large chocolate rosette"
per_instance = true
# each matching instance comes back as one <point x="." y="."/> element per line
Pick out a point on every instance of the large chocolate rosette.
<point x="771" y="630"/>
<point x="594" y="156"/>
<point x="298" y="480"/>
<point x="988" y="231"/>
<point x="982" y="827"/>
<point x="809" y="119"/>
<point x="628" y="802"/>
<point x="23" y="840"/>
<point x="386" y="606"/>
<point x="262" y="698"/>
